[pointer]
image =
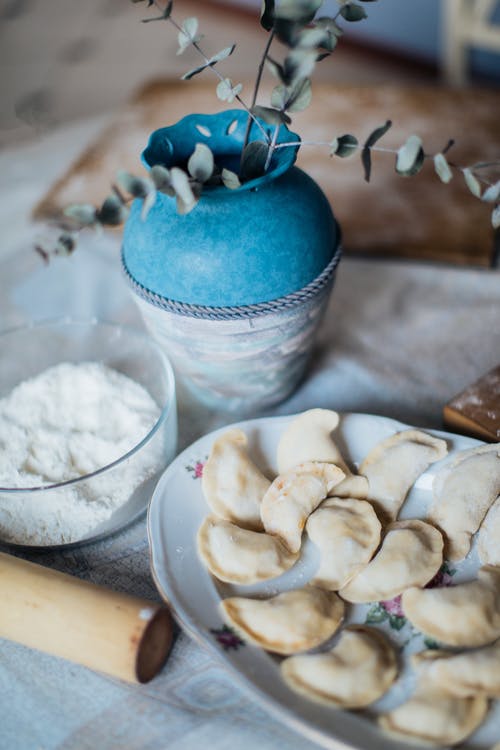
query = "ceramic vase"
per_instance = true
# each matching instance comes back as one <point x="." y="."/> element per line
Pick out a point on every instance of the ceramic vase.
<point x="234" y="290"/>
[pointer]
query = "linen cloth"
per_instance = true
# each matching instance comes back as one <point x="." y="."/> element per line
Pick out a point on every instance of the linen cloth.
<point x="399" y="339"/>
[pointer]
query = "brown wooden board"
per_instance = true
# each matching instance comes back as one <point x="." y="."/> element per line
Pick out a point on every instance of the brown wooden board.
<point x="418" y="218"/>
<point x="476" y="410"/>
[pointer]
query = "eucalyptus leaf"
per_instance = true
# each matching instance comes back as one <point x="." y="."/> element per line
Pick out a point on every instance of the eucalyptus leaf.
<point x="270" y="116"/>
<point x="317" y="37"/>
<point x="279" y="96"/>
<point x="300" y="96"/>
<point x="161" y="179"/>
<point x="329" y="24"/>
<point x="442" y="168"/>
<point x="184" y="208"/>
<point x="194" y="72"/>
<point x="188" y="34"/>
<point x="201" y="163"/>
<point x="230" y="179"/>
<point x="267" y="14"/>
<point x="112" y="212"/>
<point x="366" y="160"/>
<point x="197" y="189"/>
<point x="408" y="155"/>
<point x="352" y="12"/>
<point x="366" y="157"/>
<point x="472" y="182"/>
<point x="139" y="187"/>
<point x="495" y="217"/>
<point x="253" y="160"/>
<point x="346" y="145"/>
<point x="186" y="199"/>
<point x="148" y="204"/>
<point x="209" y="64"/>
<point x="226" y="91"/>
<point x="334" y="146"/>
<point x="165" y="15"/>
<point x="302" y="11"/>
<point x="377" y="134"/>
<point x="275" y="68"/>
<point x="299" y="63"/>
<point x="492" y="193"/>
<point x="287" y="32"/>
<point x="223" y="54"/>
<point x="83" y="213"/>
<point x="66" y="243"/>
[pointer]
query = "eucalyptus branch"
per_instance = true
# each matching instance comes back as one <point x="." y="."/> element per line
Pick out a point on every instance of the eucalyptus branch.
<point x="308" y="39"/>
<point x="261" y="66"/>
<point x="271" y="148"/>
<point x="212" y="66"/>
<point x="258" y="80"/>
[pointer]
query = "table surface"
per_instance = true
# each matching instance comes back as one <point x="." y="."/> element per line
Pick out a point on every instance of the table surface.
<point x="399" y="339"/>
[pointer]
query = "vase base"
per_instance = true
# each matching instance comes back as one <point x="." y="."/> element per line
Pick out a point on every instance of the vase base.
<point x="235" y="362"/>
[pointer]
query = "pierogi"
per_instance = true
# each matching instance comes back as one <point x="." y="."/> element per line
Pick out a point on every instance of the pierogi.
<point x="463" y="491"/>
<point x="317" y="426"/>
<point x="393" y="466"/>
<point x="347" y="533"/>
<point x="433" y="715"/>
<point x="286" y="623"/>
<point x="467" y="614"/>
<point x="410" y="555"/>
<point x="236" y="555"/>
<point x="293" y="496"/>
<point x="233" y="486"/>
<point x="468" y="673"/>
<point x="357" y="671"/>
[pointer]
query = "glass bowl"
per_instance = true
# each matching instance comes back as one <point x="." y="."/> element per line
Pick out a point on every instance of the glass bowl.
<point x="27" y="352"/>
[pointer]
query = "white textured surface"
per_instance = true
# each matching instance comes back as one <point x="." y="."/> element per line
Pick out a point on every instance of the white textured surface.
<point x="66" y="422"/>
<point x="398" y="339"/>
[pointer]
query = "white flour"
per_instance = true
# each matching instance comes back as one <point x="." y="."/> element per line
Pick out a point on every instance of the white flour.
<point x="64" y="423"/>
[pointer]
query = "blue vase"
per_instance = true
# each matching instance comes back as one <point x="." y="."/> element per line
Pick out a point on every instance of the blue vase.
<point x="260" y="258"/>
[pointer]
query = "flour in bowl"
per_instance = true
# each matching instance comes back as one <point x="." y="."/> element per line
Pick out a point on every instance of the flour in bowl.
<point x="65" y="423"/>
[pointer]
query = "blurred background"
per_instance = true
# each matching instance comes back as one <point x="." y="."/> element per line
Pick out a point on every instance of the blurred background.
<point x="62" y="60"/>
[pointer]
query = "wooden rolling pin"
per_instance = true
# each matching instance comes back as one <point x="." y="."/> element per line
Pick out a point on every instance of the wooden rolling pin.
<point x="121" y="635"/>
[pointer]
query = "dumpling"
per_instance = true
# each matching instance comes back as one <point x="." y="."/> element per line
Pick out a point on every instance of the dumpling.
<point x="434" y="715"/>
<point x="488" y="542"/>
<point x="241" y="556"/>
<point x="393" y="466"/>
<point x="467" y="614"/>
<point x="347" y="532"/>
<point x="357" y="671"/>
<point x="293" y="496"/>
<point x="308" y="437"/>
<point x="331" y="474"/>
<point x="463" y="491"/>
<point x="289" y="622"/>
<point x="411" y="554"/>
<point x="233" y="486"/>
<point x="470" y="673"/>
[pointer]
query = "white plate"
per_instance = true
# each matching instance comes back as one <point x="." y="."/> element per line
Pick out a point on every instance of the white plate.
<point x="176" y="512"/>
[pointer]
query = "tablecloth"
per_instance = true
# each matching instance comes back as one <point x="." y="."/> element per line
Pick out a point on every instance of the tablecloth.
<point x="399" y="339"/>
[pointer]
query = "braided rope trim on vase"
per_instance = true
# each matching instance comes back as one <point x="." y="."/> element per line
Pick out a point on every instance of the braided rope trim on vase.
<point x="281" y="304"/>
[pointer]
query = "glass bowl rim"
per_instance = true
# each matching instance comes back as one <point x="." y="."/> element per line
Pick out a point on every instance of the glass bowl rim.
<point x="166" y="409"/>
